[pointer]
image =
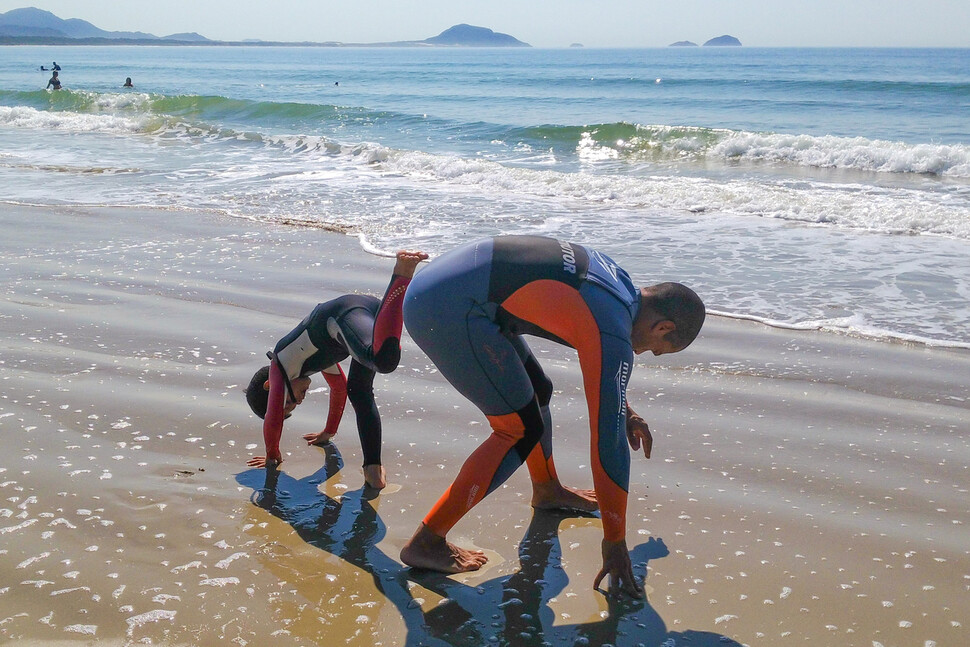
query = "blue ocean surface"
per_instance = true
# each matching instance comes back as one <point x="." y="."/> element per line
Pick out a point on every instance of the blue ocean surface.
<point x="809" y="188"/>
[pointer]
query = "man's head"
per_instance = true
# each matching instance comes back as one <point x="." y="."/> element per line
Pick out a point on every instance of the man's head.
<point x="670" y="317"/>
<point x="257" y="393"/>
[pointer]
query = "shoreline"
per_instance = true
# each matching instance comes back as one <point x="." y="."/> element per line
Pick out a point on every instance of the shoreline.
<point x="804" y="486"/>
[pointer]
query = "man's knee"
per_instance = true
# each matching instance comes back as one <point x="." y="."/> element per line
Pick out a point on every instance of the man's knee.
<point x="543" y="389"/>
<point x="541" y="384"/>
<point x="534" y="426"/>
<point x="521" y="429"/>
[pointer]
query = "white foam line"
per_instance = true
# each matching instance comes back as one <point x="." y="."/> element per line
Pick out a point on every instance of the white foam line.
<point x="841" y="327"/>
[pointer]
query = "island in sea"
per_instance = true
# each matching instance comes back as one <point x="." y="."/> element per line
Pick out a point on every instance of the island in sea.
<point x="723" y="41"/>
<point x="720" y="41"/>
<point x="32" y="26"/>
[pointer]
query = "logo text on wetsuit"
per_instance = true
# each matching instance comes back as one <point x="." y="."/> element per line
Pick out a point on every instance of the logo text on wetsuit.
<point x="622" y="376"/>
<point x="568" y="258"/>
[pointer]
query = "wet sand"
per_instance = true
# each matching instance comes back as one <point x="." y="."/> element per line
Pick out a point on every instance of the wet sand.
<point x="805" y="488"/>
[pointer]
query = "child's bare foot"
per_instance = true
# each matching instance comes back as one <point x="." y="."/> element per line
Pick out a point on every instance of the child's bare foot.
<point x="432" y="552"/>
<point x="407" y="262"/>
<point x="375" y="477"/>
<point x="553" y="495"/>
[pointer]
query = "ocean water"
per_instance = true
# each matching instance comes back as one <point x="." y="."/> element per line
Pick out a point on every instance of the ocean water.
<point x="808" y="188"/>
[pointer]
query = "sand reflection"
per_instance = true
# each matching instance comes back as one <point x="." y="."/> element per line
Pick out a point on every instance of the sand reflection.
<point x="355" y="592"/>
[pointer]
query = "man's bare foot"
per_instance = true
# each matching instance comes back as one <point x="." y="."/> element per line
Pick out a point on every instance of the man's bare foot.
<point x="553" y="495"/>
<point x="430" y="551"/>
<point x="407" y="262"/>
<point x="375" y="477"/>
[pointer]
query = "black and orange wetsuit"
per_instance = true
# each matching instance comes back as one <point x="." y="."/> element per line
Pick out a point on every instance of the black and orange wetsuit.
<point x="364" y="328"/>
<point x="468" y="309"/>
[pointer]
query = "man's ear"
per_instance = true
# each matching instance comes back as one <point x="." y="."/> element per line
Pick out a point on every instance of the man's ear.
<point x="266" y="385"/>
<point x="662" y="327"/>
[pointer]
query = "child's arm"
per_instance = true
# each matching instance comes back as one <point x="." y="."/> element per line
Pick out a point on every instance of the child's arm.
<point x="338" y="399"/>
<point x="273" y="420"/>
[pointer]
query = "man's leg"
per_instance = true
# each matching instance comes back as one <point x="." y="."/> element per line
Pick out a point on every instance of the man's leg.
<point x="548" y="493"/>
<point x="448" y="317"/>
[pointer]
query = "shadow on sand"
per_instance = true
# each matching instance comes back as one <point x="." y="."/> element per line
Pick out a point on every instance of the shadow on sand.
<point x="508" y="610"/>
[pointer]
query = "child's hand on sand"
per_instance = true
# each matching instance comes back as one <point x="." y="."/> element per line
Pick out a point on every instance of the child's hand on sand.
<point x="319" y="438"/>
<point x="407" y="262"/>
<point x="260" y="462"/>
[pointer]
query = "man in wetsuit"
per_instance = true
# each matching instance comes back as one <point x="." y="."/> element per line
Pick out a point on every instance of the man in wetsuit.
<point x="468" y="309"/>
<point x="362" y="327"/>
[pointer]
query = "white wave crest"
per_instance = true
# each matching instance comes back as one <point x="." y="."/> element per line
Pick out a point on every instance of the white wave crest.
<point x="31" y="118"/>
<point x="852" y="206"/>
<point x="856" y="153"/>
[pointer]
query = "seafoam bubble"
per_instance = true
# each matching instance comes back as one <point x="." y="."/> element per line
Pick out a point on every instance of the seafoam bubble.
<point x="183" y="567"/>
<point x="30" y="560"/>
<point x="88" y="630"/>
<point x="219" y="581"/>
<point x="225" y="562"/>
<point x="144" y="618"/>
<point x="20" y="526"/>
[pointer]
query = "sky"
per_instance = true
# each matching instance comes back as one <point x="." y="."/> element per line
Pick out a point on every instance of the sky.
<point x="541" y="23"/>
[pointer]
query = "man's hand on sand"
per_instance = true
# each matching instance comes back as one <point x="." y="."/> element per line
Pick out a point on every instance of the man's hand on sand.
<point x="407" y="262"/>
<point x="260" y="462"/>
<point x="616" y="564"/>
<point x="637" y="433"/>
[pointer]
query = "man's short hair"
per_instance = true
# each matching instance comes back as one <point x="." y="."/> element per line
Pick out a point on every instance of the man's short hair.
<point x="681" y="305"/>
<point x="256" y="394"/>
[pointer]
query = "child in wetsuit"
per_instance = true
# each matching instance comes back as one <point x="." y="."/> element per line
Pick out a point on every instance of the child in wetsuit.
<point x="364" y="328"/>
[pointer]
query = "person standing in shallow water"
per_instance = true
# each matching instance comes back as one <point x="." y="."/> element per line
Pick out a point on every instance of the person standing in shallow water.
<point x="128" y="83"/>
<point x="468" y="311"/>
<point x="54" y="83"/>
<point x="361" y="327"/>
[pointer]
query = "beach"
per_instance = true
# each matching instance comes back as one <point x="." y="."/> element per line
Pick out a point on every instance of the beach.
<point x="804" y="488"/>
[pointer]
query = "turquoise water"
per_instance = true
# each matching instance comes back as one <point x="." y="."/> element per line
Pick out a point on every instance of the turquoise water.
<point x="806" y="188"/>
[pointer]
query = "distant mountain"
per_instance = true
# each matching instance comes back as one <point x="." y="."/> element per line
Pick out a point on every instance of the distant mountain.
<point x="471" y="36"/>
<point x="683" y="43"/>
<point x="723" y="41"/>
<point x="188" y="37"/>
<point x="37" y="23"/>
<point x="32" y="25"/>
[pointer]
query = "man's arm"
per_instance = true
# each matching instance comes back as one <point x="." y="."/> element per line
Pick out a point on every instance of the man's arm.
<point x="611" y="460"/>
